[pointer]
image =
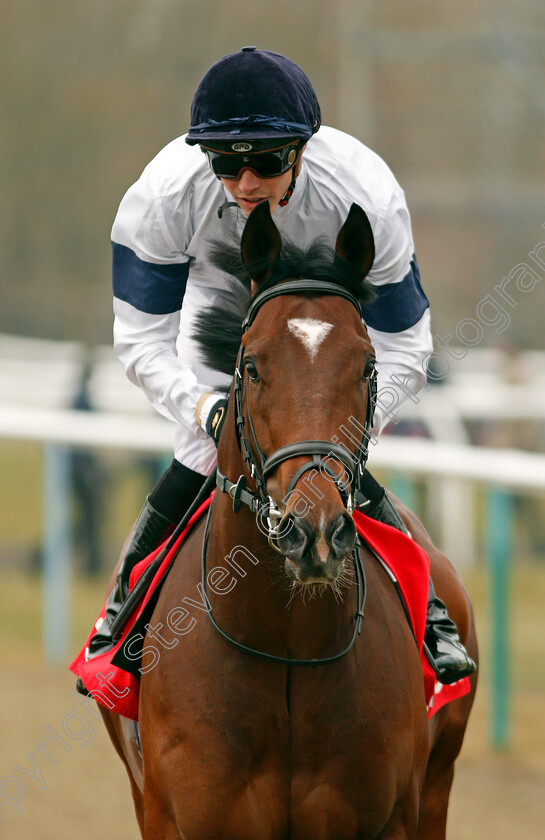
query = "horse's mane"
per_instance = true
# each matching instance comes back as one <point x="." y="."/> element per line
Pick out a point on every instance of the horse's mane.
<point x="218" y="329"/>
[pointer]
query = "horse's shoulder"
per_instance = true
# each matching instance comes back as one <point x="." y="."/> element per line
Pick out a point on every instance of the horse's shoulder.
<point x="185" y="571"/>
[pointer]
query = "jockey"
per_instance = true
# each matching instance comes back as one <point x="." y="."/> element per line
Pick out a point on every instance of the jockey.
<point x="255" y="135"/>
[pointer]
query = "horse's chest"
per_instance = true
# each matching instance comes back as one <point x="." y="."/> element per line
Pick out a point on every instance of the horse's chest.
<point x="259" y="752"/>
<point x="268" y="785"/>
<point x="312" y="750"/>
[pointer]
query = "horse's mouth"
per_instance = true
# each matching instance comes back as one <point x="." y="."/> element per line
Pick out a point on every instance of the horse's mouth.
<point x="310" y="570"/>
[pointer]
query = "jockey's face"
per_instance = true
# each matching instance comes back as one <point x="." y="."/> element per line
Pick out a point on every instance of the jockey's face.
<point x="249" y="189"/>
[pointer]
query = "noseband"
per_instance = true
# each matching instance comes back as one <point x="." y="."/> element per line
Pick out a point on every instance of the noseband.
<point x="315" y="449"/>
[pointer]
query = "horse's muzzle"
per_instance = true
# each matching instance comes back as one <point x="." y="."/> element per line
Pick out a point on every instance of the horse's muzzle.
<point x="316" y="556"/>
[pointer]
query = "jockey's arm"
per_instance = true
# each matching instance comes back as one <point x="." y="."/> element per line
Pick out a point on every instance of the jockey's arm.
<point x="401" y="369"/>
<point x="149" y="278"/>
<point x="398" y="320"/>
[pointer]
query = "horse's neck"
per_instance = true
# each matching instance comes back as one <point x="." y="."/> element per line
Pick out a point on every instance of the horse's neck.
<point x="236" y="544"/>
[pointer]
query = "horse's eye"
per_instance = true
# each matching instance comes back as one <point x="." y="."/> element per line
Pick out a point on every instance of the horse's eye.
<point x="252" y="371"/>
<point x="368" y="369"/>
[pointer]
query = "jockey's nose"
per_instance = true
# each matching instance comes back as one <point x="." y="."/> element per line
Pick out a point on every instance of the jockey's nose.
<point x="248" y="181"/>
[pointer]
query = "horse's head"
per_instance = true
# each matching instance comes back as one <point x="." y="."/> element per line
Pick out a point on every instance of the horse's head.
<point x="304" y="370"/>
<point x="301" y="394"/>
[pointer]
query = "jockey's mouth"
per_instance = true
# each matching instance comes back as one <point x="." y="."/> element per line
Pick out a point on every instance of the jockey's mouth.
<point x="251" y="202"/>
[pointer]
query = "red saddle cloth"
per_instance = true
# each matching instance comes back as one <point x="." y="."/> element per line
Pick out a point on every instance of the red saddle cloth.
<point x="112" y="678"/>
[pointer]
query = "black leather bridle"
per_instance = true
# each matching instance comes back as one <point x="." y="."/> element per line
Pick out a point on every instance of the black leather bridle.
<point x="316" y="449"/>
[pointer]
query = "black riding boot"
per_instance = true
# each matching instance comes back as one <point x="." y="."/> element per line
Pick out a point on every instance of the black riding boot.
<point x="163" y="509"/>
<point x="444" y="650"/>
<point x="384" y="511"/>
<point x="151" y="529"/>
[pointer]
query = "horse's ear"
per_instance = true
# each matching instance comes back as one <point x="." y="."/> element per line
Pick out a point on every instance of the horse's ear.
<point x="261" y="243"/>
<point x="355" y="242"/>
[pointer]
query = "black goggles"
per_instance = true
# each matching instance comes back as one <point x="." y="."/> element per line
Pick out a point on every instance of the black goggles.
<point x="267" y="164"/>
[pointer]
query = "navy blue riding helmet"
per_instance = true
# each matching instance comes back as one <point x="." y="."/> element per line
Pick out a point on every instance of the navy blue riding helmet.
<point x="253" y="95"/>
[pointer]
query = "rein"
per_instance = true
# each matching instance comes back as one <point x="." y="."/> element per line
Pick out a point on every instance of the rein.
<point x="260" y="501"/>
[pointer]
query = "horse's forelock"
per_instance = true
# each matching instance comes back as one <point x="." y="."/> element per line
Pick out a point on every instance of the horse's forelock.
<point x="318" y="262"/>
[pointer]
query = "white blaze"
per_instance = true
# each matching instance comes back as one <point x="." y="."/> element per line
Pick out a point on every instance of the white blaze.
<point x="310" y="331"/>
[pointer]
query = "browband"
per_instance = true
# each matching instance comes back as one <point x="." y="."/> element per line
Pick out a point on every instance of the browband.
<point x="293" y="287"/>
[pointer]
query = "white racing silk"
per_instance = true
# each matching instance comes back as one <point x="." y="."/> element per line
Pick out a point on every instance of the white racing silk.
<point x="162" y="276"/>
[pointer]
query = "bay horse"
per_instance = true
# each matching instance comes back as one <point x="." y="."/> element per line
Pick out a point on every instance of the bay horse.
<point x="256" y="747"/>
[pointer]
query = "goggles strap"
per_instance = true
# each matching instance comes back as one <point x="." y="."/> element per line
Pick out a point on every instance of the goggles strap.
<point x="289" y="192"/>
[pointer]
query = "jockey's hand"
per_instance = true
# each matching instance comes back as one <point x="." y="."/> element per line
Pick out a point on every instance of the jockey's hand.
<point x="211" y="412"/>
<point x="216" y="419"/>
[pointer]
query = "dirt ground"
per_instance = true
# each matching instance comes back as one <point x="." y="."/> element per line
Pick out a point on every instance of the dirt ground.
<point x="83" y="792"/>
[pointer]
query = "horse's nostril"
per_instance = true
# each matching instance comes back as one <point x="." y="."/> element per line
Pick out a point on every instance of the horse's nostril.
<point x="294" y="537"/>
<point x="341" y="534"/>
